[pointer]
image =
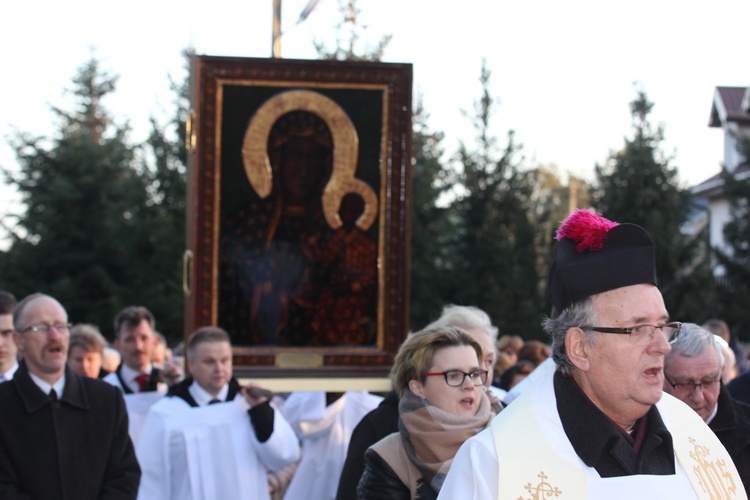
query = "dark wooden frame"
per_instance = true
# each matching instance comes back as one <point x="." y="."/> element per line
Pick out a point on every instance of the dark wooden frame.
<point x="214" y="79"/>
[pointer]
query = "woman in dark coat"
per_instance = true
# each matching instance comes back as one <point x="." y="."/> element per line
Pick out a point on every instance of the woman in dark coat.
<point x="440" y="380"/>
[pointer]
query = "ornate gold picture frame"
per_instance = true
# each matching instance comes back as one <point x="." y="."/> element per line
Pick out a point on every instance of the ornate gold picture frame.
<point x="299" y="187"/>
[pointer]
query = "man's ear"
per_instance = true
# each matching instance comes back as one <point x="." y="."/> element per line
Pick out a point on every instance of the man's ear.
<point x="415" y="386"/>
<point x="17" y="340"/>
<point x="576" y="345"/>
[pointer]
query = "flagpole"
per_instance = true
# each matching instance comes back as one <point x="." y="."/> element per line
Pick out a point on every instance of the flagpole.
<point x="276" y="40"/>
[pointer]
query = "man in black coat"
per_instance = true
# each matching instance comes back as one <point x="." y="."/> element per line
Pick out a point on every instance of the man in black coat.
<point x="135" y="339"/>
<point x="62" y="436"/>
<point x="692" y="372"/>
<point x="739" y="388"/>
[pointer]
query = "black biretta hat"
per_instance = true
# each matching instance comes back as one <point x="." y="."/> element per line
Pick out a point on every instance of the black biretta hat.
<point x="595" y="255"/>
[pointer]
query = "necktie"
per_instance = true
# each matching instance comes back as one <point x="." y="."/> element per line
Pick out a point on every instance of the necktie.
<point x="214" y="401"/>
<point x="53" y="395"/>
<point x="141" y="379"/>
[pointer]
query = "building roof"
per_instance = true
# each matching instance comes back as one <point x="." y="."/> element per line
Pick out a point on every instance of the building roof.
<point x="730" y="104"/>
<point x="714" y="185"/>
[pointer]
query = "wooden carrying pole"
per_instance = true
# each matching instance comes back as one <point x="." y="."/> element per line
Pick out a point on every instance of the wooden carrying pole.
<point x="276" y="41"/>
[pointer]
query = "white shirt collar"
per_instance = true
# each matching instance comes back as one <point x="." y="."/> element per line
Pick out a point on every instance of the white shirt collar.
<point x="8" y="374"/>
<point x="713" y="413"/>
<point x="45" y="386"/>
<point x="128" y="375"/>
<point x="202" y="397"/>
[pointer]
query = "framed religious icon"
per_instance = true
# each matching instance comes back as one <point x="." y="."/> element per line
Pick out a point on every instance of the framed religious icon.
<point x="298" y="212"/>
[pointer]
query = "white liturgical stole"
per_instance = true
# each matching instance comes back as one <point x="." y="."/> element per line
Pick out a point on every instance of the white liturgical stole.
<point x="536" y="460"/>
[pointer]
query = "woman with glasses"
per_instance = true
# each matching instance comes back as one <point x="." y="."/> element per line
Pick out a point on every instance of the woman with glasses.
<point x="439" y="377"/>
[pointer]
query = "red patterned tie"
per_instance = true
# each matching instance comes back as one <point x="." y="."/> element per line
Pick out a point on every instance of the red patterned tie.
<point x="141" y="379"/>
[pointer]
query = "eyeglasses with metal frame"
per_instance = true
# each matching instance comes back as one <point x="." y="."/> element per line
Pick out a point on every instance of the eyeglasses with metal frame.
<point x="456" y="378"/>
<point x="689" y="387"/>
<point x="641" y="334"/>
<point x="45" y="328"/>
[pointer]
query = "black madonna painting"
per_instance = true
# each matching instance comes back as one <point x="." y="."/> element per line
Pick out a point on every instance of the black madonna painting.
<point x="299" y="188"/>
<point x="298" y="262"/>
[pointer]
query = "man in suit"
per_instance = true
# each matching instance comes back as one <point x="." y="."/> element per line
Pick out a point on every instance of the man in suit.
<point x="8" y="361"/>
<point x="135" y="338"/>
<point x="692" y="373"/>
<point x="209" y="427"/>
<point x="63" y="436"/>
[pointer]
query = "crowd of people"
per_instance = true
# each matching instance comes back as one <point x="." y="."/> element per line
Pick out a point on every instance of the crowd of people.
<point x="622" y="402"/>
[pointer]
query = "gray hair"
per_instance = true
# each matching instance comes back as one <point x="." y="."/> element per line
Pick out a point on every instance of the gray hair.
<point x="87" y="337"/>
<point x="579" y="314"/>
<point x="693" y="341"/>
<point x="466" y="318"/>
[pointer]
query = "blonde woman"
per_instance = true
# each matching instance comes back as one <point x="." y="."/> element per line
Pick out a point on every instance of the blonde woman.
<point x="440" y="379"/>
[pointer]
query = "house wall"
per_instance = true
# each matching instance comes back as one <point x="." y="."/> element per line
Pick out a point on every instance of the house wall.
<point x="732" y="157"/>
<point x="720" y="214"/>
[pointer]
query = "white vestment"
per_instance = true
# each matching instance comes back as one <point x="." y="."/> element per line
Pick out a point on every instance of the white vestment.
<point x="138" y="403"/>
<point x="138" y="406"/>
<point x="210" y="452"/>
<point x="325" y="433"/>
<point x="538" y="460"/>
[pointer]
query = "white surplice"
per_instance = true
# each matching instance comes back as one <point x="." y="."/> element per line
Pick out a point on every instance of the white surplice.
<point x="325" y="432"/>
<point x="209" y="452"/>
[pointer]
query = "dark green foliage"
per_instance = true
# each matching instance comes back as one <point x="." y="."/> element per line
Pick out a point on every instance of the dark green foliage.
<point x="429" y="224"/>
<point x="639" y="185"/>
<point x="492" y="240"/>
<point x="82" y="204"/>
<point x="101" y="230"/>
<point x="165" y="172"/>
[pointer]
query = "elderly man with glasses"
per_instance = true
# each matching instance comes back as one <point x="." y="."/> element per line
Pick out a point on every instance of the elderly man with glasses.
<point x="597" y="424"/>
<point x="692" y="373"/>
<point x="62" y="435"/>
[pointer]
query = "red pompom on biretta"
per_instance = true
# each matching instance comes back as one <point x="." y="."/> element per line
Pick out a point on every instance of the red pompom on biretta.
<point x="586" y="228"/>
<point x="594" y="255"/>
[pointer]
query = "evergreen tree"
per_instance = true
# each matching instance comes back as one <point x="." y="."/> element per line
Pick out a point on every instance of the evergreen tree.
<point x="492" y="241"/>
<point x="164" y="168"/>
<point x="639" y="185"/>
<point x="103" y="225"/>
<point x="734" y="285"/>
<point x="429" y="226"/>
<point x="83" y="204"/>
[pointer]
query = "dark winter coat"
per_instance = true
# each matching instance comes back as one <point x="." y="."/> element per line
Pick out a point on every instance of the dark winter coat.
<point x="732" y="426"/>
<point x="72" y="449"/>
<point x="379" y="423"/>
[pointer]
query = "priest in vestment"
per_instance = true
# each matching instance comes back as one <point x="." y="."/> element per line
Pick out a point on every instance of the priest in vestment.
<point x="598" y="425"/>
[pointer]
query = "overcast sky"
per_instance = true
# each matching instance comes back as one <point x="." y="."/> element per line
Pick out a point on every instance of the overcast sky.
<point x="563" y="72"/>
